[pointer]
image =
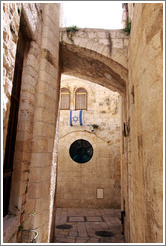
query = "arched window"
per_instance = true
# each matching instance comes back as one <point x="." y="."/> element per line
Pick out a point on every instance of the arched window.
<point x="65" y="99"/>
<point x="81" y="99"/>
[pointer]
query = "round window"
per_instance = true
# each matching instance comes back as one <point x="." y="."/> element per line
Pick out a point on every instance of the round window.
<point x="81" y="151"/>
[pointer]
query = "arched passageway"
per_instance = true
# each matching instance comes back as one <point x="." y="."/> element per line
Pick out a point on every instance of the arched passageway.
<point x="91" y="187"/>
<point x="99" y="56"/>
<point x="73" y="191"/>
<point x="133" y="68"/>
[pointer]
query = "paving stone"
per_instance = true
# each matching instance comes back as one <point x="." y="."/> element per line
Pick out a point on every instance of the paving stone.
<point x="65" y="240"/>
<point x="82" y="239"/>
<point x="108" y="240"/>
<point x="94" y="218"/>
<point x="104" y="225"/>
<point x="93" y="240"/>
<point x="75" y="218"/>
<point x="120" y="236"/>
<point x="73" y="233"/>
<point x="84" y="231"/>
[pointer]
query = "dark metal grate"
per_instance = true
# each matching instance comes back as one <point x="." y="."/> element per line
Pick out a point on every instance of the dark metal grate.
<point x="104" y="233"/>
<point x="65" y="226"/>
<point x="81" y="151"/>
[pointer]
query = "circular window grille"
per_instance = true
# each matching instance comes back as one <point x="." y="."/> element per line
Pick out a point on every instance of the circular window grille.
<point x="81" y="151"/>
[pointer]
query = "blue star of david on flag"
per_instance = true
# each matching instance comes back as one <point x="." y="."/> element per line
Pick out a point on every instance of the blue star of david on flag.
<point x="76" y="118"/>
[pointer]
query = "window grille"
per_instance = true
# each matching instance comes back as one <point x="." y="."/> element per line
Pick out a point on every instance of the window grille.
<point x="81" y="151"/>
<point x="81" y="99"/>
<point x="65" y="99"/>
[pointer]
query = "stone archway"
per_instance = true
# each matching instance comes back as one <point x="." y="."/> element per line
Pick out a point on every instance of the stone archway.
<point x="99" y="56"/>
<point x="94" y="185"/>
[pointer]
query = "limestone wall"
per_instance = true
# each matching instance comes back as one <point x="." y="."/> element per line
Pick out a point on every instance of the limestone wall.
<point x="42" y="162"/>
<point x="108" y="43"/>
<point x="77" y="184"/>
<point x="32" y="193"/>
<point x="34" y="170"/>
<point x="11" y="20"/>
<point x="143" y="173"/>
<point x="96" y="55"/>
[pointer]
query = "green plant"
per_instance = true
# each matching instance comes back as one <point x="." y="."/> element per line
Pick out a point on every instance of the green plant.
<point x="127" y="29"/>
<point x="16" y="207"/>
<point x="70" y="31"/>
<point x="20" y="228"/>
<point x="33" y="213"/>
<point x="95" y="126"/>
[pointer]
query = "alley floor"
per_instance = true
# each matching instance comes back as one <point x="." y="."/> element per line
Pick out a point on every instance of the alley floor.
<point x="86" y="225"/>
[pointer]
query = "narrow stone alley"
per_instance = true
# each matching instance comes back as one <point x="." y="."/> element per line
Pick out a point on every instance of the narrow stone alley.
<point x="87" y="225"/>
<point x="82" y="125"/>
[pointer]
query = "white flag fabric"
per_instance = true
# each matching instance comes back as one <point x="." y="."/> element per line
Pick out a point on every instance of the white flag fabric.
<point x="76" y="117"/>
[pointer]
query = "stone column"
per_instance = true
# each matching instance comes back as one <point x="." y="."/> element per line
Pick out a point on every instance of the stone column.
<point x="39" y="200"/>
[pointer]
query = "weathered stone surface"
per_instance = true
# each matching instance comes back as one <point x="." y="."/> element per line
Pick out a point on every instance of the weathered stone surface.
<point x="144" y="175"/>
<point x="92" y="53"/>
<point x="77" y="184"/>
<point x="11" y="20"/>
<point x="85" y="232"/>
<point x="131" y="65"/>
<point x="27" y="183"/>
<point x="112" y="38"/>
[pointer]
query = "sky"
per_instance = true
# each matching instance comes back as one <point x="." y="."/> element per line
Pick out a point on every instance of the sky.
<point x="92" y="14"/>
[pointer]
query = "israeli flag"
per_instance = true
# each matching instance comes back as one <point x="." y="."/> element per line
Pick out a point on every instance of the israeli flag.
<point x="76" y="118"/>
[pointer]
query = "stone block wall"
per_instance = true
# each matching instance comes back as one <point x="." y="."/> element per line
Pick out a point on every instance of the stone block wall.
<point x="77" y="184"/>
<point x="34" y="174"/>
<point x="108" y="43"/>
<point x="144" y="169"/>
<point x="32" y="193"/>
<point x="11" y="21"/>
<point x="40" y="195"/>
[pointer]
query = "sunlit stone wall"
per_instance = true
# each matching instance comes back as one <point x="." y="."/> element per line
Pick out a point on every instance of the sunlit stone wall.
<point x="142" y="185"/>
<point x="33" y="183"/>
<point x="77" y="184"/>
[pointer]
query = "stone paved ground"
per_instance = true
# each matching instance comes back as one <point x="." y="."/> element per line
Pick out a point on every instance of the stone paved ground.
<point x="85" y="222"/>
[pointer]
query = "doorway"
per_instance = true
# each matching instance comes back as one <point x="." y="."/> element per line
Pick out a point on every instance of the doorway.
<point x="12" y="124"/>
